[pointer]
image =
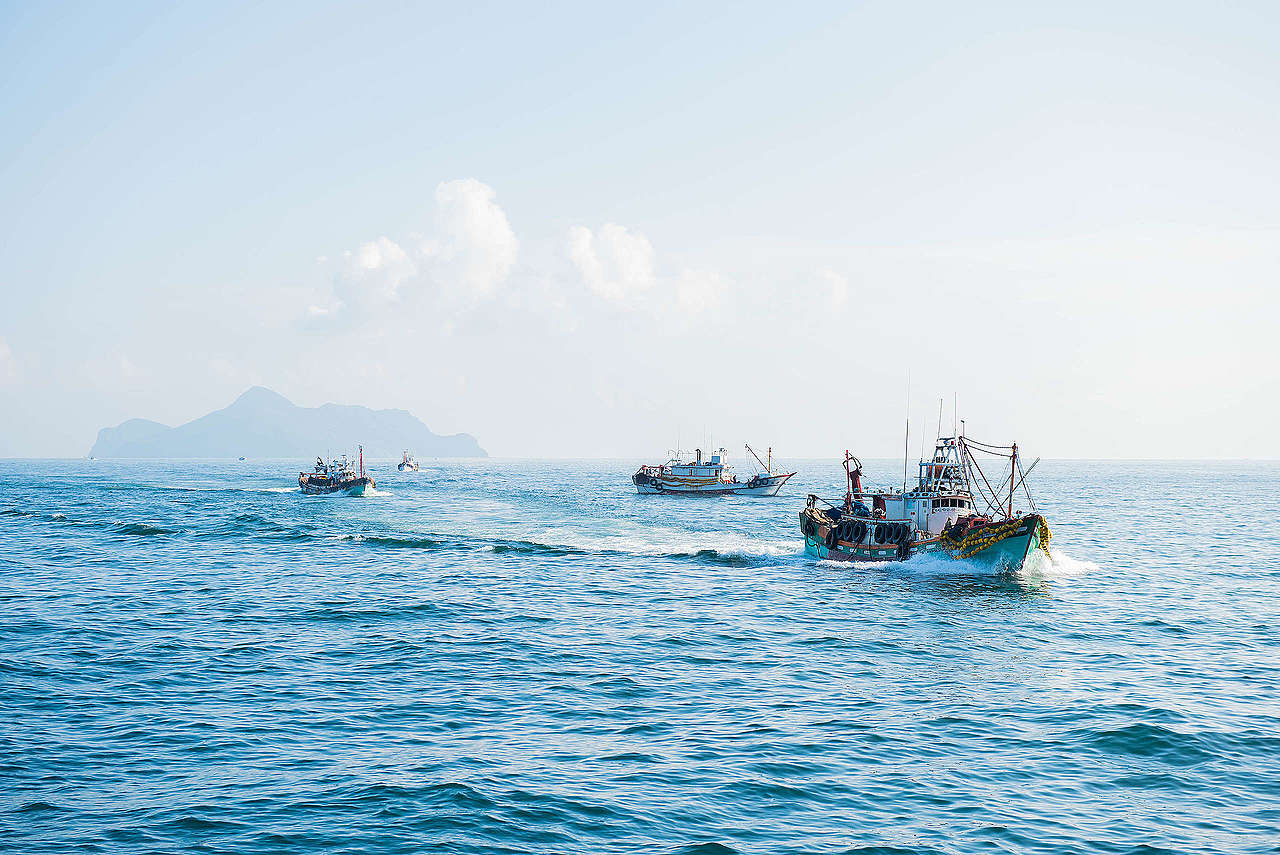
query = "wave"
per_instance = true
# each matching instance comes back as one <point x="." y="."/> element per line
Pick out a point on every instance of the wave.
<point x="723" y="559"/>
<point x="1153" y="742"/>
<point x="255" y="524"/>
<point x="342" y="612"/>
<point x="394" y="541"/>
<point x="529" y="547"/>
<point x="143" y="529"/>
<point x="717" y="547"/>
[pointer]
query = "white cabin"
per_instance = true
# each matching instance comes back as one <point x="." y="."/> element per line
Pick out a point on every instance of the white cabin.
<point x="940" y="497"/>
<point x="713" y="468"/>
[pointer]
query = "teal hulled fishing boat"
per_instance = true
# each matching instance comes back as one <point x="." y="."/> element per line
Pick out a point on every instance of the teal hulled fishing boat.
<point x="336" y="476"/>
<point x="937" y="516"/>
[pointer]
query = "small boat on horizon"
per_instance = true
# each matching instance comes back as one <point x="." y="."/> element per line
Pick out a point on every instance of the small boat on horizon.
<point x="714" y="477"/>
<point x="937" y="516"/>
<point x="336" y="476"/>
<point x="408" y="463"/>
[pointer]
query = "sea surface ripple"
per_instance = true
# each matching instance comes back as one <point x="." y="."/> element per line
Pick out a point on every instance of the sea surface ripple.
<point x="524" y="656"/>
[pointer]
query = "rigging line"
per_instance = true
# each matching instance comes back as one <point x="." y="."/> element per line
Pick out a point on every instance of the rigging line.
<point x="991" y="449"/>
<point x="978" y="491"/>
<point x="973" y="441"/>
<point x="1004" y="482"/>
<point x="1020" y="482"/>
<point x="991" y="503"/>
<point x="1026" y="488"/>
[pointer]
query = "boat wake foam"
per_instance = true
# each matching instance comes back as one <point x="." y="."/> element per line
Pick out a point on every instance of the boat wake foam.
<point x="925" y="564"/>
<point x="1061" y="564"/>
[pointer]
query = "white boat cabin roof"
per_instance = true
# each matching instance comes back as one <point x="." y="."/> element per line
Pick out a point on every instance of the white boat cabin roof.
<point x="714" y="464"/>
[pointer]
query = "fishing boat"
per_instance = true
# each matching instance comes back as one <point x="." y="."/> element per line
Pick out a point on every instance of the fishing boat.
<point x="953" y="511"/>
<point x="336" y="476"/>
<point x="407" y="463"/>
<point x="712" y="477"/>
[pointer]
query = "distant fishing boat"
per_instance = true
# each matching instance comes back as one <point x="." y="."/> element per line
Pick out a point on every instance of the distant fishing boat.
<point x="407" y="463"/>
<point x="336" y="476"/>
<point x="939" y="515"/>
<point x="710" y="478"/>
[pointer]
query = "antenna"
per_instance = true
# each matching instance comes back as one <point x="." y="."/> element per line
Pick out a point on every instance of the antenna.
<point x="922" y="446"/>
<point x="906" y="438"/>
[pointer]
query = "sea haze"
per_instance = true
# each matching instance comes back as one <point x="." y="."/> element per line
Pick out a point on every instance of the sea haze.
<point x="497" y="656"/>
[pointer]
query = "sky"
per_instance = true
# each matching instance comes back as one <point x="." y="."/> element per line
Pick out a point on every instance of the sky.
<point x="597" y="230"/>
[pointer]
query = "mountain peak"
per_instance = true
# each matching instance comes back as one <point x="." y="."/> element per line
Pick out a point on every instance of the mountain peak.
<point x="261" y="395"/>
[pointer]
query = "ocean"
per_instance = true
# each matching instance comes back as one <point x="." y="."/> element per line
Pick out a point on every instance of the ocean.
<point x="507" y="656"/>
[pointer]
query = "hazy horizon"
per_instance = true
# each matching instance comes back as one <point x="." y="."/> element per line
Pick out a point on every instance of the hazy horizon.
<point x="578" y="233"/>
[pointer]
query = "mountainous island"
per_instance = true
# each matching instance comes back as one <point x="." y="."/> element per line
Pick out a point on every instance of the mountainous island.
<point x="262" y="423"/>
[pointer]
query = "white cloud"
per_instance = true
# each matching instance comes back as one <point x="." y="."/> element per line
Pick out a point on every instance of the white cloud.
<point x="471" y="254"/>
<point x="616" y="264"/>
<point x="476" y="248"/>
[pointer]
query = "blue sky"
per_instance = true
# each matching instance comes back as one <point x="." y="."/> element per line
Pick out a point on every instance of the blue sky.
<point x="574" y="230"/>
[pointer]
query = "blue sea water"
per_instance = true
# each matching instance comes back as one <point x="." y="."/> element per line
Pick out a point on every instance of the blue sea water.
<point x="515" y="656"/>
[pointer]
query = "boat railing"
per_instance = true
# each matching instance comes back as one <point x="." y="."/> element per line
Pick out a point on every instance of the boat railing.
<point x="812" y="504"/>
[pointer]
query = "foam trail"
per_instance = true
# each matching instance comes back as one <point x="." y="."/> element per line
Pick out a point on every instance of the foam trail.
<point x="1061" y="564"/>
<point x="664" y="541"/>
<point x="927" y="564"/>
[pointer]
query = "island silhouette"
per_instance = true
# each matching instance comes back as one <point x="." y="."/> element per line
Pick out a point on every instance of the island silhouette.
<point x="263" y="423"/>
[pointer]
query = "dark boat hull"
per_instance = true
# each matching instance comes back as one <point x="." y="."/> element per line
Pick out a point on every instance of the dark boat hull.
<point x="322" y="485"/>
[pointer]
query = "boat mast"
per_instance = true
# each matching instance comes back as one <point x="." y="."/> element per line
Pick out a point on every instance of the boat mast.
<point x="906" y="450"/>
<point x="1013" y="469"/>
<point x="906" y="438"/>
<point x="853" y="479"/>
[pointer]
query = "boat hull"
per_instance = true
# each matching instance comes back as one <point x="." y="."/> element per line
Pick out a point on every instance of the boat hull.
<point x="659" y="485"/>
<point x="348" y="487"/>
<point x="1021" y="543"/>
